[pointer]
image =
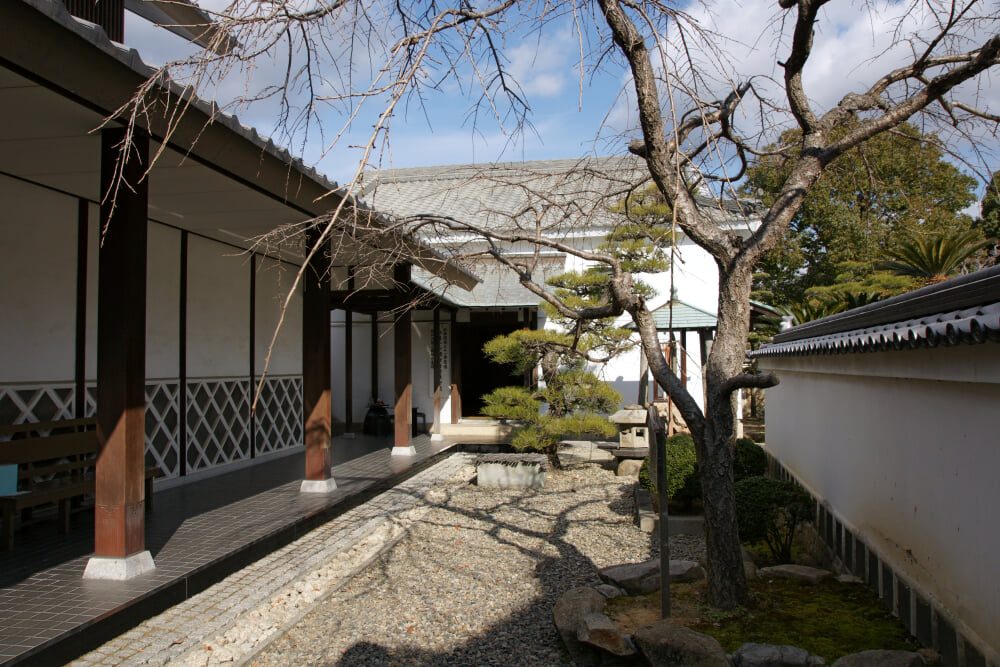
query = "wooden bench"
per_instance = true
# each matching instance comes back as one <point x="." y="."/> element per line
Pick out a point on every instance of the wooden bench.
<point x="55" y="468"/>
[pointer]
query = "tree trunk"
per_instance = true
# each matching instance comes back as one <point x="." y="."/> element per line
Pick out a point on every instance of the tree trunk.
<point x="727" y="585"/>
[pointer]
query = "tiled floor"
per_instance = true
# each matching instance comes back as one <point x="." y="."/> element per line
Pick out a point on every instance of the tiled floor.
<point x="198" y="533"/>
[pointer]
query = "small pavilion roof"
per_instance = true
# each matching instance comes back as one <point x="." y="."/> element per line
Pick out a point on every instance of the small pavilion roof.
<point x="685" y="317"/>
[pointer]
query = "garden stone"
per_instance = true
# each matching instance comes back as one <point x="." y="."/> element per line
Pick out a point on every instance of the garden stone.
<point x="567" y="614"/>
<point x="609" y="591"/>
<point x="633" y="578"/>
<point x="643" y="578"/>
<point x="629" y="468"/>
<point x="770" y="655"/>
<point x="683" y="571"/>
<point x="600" y="631"/>
<point x="812" y="575"/>
<point x="849" y="579"/>
<point x="880" y="658"/>
<point x="666" y="645"/>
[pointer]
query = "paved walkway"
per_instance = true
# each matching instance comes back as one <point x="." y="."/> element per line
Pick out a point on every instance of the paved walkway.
<point x="198" y="534"/>
<point x="239" y="616"/>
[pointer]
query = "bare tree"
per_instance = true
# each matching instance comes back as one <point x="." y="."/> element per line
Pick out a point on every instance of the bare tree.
<point x="351" y="56"/>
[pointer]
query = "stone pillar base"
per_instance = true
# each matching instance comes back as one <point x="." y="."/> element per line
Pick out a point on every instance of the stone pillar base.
<point x="119" y="569"/>
<point x="404" y="451"/>
<point x="318" y="486"/>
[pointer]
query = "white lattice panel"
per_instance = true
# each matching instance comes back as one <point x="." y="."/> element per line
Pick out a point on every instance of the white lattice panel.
<point x="21" y="404"/>
<point x="163" y="427"/>
<point x="279" y="413"/>
<point x="217" y="421"/>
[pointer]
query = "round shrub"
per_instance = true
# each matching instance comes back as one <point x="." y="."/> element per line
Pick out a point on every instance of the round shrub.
<point x="683" y="485"/>
<point x="768" y="510"/>
<point x="749" y="459"/>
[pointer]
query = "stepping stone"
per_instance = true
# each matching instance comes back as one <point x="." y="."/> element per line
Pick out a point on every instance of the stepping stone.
<point x="810" y="575"/>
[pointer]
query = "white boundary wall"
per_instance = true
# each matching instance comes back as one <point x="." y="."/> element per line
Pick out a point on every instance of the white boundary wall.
<point x="902" y="448"/>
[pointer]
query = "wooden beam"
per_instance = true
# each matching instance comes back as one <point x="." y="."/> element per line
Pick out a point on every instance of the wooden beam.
<point x="119" y="511"/>
<point x="403" y="393"/>
<point x="316" y="368"/>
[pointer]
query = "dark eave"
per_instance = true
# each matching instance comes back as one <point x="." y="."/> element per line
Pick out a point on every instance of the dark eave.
<point x="961" y="310"/>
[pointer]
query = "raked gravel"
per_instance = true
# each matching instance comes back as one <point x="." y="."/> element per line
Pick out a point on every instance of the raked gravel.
<point x="474" y="580"/>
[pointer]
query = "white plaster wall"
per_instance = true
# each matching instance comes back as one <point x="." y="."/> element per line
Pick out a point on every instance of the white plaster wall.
<point x="273" y="282"/>
<point x="696" y="280"/>
<point x="903" y="446"/>
<point x="93" y="269"/>
<point x="163" y="261"/>
<point x="386" y="357"/>
<point x="361" y="356"/>
<point x="422" y="365"/>
<point x="218" y="310"/>
<point x="38" y="272"/>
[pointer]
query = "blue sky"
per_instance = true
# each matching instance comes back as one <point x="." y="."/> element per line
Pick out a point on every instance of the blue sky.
<point x="572" y="118"/>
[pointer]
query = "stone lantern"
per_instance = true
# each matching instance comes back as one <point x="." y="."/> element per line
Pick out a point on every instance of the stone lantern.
<point x="632" y="430"/>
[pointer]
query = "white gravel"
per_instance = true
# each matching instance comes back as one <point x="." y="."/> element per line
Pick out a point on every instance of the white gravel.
<point x="474" y="580"/>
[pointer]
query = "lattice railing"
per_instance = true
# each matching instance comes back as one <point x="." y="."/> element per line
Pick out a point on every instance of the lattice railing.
<point x="163" y="427"/>
<point x="279" y="413"/>
<point x="23" y="403"/>
<point x="217" y="421"/>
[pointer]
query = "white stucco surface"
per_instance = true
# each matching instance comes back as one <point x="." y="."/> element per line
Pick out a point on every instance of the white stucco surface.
<point x="218" y="310"/>
<point x="273" y="282"/>
<point x="38" y="272"/>
<point x="162" y="301"/>
<point x="903" y="446"/>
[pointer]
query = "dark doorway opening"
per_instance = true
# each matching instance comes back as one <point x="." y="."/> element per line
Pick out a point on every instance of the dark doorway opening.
<point x="479" y="375"/>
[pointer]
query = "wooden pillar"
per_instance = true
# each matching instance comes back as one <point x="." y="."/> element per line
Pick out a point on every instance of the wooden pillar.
<point x="119" y="510"/>
<point x="403" y="384"/>
<point x="643" y="378"/>
<point x="682" y="353"/>
<point x="436" y="342"/>
<point x="348" y="373"/>
<point x="456" y="372"/>
<point x="316" y="369"/>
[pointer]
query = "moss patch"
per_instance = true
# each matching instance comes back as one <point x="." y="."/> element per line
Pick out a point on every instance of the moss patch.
<point x="830" y="620"/>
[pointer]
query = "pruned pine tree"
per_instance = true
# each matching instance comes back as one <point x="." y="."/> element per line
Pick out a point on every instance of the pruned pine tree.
<point x="693" y="135"/>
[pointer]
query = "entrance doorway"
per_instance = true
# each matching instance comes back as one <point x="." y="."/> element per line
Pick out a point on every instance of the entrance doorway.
<point x="479" y="375"/>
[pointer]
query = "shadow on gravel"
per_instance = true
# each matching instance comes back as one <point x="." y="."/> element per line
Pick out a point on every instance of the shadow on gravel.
<point x="525" y="637"/>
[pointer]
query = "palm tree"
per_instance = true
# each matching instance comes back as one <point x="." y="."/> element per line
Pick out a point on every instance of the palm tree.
<point x="935" y="258"/>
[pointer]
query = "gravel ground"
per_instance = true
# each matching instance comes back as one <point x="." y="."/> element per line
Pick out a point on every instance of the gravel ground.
<point x="474" y="581"/>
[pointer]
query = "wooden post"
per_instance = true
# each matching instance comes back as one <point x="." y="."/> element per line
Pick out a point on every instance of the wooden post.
<point x="659" y="441"/>
<point x="316" y="369"/>
<point x="119" y="509"/>
<point x="643" y="378"/>
<point x="403" y="385"/>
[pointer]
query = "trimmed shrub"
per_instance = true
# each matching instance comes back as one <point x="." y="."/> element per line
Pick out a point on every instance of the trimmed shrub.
<point x="749" y="459"/>
<point x="683" y="485"/>
<point x="768" y="511"/>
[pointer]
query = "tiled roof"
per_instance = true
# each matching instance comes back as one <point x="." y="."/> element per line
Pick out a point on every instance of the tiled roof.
<point x="498" y="287"/>
<point x="684" y="316"/>
<point x="560" y="194"/>
<point x="564" y="196"/>
<point x="962" y="310"/>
